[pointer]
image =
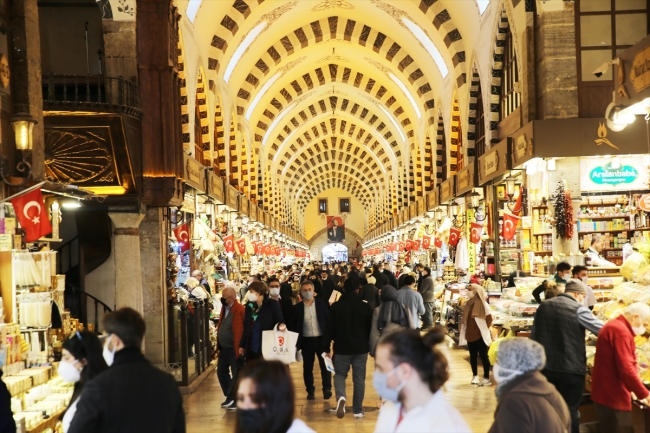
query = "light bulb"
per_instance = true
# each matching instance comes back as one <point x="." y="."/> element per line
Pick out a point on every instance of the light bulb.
<point x="551" y="164"/>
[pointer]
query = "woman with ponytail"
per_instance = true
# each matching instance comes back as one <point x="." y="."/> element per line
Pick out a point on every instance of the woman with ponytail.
<point x="409" y="374"/>
<point x="81" y="362"/>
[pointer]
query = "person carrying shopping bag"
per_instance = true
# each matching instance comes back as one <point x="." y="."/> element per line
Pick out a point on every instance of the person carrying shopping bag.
<point x="475" y="332"/>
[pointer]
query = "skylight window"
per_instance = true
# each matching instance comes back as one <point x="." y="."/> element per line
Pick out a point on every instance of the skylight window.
<point x="241" y="49"/>
<point x="393" y="121"/>
<point x="406" y="92"/>
<point x="421" y="36"/>
<point x="261" y="93"/>
<point x="193" y="9"/>
<point x="482" y="5"/>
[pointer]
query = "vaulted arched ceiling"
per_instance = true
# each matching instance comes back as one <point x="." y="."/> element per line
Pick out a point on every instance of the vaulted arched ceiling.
<point x="337" y="93"/>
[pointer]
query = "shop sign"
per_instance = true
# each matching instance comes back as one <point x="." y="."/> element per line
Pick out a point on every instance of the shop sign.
<point x="231" y="199"/>
<point x="521" y="147"/>
<point x="599" y="175"/>
<point x="4" y="71"/>
<point x="640" y="72"/>
<point x="447" y="189"/>
<point x="432" y="199"/>
<point x="244" y="206"/>
<point x="216" y="187"/>
<point x="644" y="202"/>
<point x="194" y="171"/>
<point x="491" y="163"/>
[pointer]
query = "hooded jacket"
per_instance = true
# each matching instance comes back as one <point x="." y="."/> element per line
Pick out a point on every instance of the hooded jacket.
<point x="530" y="404"/>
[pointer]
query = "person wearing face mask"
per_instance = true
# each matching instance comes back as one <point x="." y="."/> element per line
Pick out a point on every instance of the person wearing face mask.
<point x="309" y="321"/>
<point x="580" y="273"/>
<point x="562" y="275"/>
<point x="284" y="299"/>
<point x="475" y="332"/>
<point x="81" y="361"/>
<point x="262" y="314"/>
<point x="132" y="396"/>
<point x="409" y="374"/>
<point x="615" y="373"/>
<point x="229" y="332"/>
<point x="327" y="286"/>
<point x="559" y="326"/>
<point x="266" y="400"/>
<point x="526" y="401"/>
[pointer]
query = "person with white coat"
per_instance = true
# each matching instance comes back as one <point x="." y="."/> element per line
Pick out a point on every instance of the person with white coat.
<point x="475" y="332"/>
<point x="409" y="374"/>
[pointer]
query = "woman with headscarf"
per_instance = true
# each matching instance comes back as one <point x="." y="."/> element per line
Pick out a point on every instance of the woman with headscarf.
<point x="475" y="333"/>
<point x="389" y="317"/>
<point x="527" y="402"/>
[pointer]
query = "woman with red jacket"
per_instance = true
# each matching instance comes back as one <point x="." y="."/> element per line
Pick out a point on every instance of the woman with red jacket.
<point x="615" y="373"/>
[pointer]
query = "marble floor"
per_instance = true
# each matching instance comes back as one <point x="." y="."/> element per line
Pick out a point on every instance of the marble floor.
<point x="477" y="404"/>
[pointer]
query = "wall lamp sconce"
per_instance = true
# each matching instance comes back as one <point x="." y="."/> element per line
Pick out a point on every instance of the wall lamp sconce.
<point x="456" y="215"/>
<point x="476" y="203"/>
<point x="512" y="187"/>
<point x="24" y="135"/>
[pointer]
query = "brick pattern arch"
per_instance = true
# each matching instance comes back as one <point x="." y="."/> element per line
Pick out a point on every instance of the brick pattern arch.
<point x="233" y="160"/>
<point x="340" y="29"/>
<point x="456" y="156"/>
<point x="497" y="68"/>
<point x="429" y="168"/>
<point x="441" y="151"/>
<point x="219" y="151"/>
<point x="474" y="89"/>
<point x="202" y="109"/>
<point x="182" y="77"/>
<point x="415" y="181"/>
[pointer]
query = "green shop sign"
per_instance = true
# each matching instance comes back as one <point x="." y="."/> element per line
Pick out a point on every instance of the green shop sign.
<point x="606" y="175"/>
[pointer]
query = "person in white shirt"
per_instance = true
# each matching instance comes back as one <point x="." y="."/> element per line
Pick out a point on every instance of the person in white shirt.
<point x="597" y="245"/>
<point x="580" y="273"/>
<point x="196" y="289"/>
<point x="409" y="374"/>
<point x="266" y="399"/>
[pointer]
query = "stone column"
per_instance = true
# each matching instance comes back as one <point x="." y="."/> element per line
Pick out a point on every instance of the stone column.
<point x="128" y="273"/>
<point x="568" y="169"/>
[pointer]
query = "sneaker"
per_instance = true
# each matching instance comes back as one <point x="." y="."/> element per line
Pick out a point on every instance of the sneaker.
<point x="327" y="394"/>
<point x="311" y="396"/>
<point x="340" y="408"/>
<point x="485" y="382"/>
<point x="232" y="407"/>
<point x="476" y="381"/>
<point x="359" y="415"/>
<point x="226" y="404"/>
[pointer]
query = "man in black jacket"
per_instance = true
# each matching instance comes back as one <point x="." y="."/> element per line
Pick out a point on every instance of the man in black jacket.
<point x="377" y="272"/>
<point x="275" y="293"/>
<point x="392" y="280"/>
<point x="348" y="325"/>
<point x="310" y="321"/>
<point x="327" y="286"/>
<point x="132" y="396"/>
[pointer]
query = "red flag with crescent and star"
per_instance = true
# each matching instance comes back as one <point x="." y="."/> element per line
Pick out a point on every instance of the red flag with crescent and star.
<point x="417" y="244"/>
<point x="510" y="223"/>
<point x="409" y="244"/>
<point x="258" y="247"/>
<point x="454" y="236"/>
<point x="267" y="249"/>
<point x="426" y="242"/>
<point x="401" y="245"/>
<point x="32" y="215"/>
<point x="241" y="246"/>
<point x="229" y="243"/>
<point x="475" y="233"/>
<point x="437" y="242"/>
<point x="182" y="234"/>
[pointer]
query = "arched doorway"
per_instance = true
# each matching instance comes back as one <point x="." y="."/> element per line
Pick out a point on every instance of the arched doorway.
<point x="335" y="253"/>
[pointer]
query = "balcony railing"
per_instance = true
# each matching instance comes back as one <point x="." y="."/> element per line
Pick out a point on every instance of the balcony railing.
<point x="90" y="92"/>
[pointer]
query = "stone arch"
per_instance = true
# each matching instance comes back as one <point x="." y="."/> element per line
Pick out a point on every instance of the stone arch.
<point x="456" y="154"/>
<point x="441" y="150"/>
<point x="219" y="151"/>
<point x="474" y="89"/>
<point x="202" y="112"/>
<point x="182" y="78"/>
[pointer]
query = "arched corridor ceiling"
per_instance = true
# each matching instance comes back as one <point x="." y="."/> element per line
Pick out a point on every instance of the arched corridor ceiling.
<point x="337" y="93"/>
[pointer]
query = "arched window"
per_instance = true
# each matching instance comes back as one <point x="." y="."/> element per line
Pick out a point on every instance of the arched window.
<point x="510" y="99"/>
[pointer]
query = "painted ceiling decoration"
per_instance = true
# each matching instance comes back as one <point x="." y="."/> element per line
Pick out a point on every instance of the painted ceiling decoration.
<point x="375" y="97"/>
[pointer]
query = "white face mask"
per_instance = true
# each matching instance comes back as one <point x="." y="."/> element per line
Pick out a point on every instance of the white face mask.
<point x="69" y="372"/>
<point x="585" y="280"/>
<point x="274" y="291"/>
<point x="109" y="355"/>
<point x="639" y="330"/>
<point x="500" y="374"/>
<point x="252" y="297"/>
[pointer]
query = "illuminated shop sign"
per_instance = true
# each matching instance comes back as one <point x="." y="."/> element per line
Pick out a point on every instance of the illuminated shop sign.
<point x="598" y="174"/>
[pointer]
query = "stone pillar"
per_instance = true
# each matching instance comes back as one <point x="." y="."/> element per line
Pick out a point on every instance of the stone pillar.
<point x="128" y="273"/>
<point x="567" y="169"/>
<point x="120" y="49"/>
<point x="153" y="251"/>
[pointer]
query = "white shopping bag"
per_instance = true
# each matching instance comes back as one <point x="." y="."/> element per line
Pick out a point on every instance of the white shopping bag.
<point x="329" y="364"/>
<point x="279" y="345"/>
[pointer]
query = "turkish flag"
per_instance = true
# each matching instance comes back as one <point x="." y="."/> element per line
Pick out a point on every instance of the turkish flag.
<point x="276" y="251"/>
<point x="517" y="208"/>
<point x="510" y="223"/>
<point x="283" y="252"/>
<point x="410" y="244"/>
<point x="426" y="242"/>
<point x="418" y="244"/>
<point x="475" y="233"/>
<point x="488" y="216"/>
<point x="401" y="246"/>
<point x="437" y="242"/>
<point x="229" y="243"/>
<point x="267" y="249"/>
<point x="454" y="236"/>
<point x="259" y="248"/>
<point x="240" y="246"/>
<point x="35" y="222"/>
<point x="182" y="234"/>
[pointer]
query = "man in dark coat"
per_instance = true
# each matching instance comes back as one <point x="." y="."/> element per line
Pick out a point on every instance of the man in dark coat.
<point x="377" y="272"/>
<point x="369" y="293"/>
<point x="132" y="396"/>
<point x="309" y="321"/>
<point x="327" y="286"/>
<point x="426" y="289"/>
<point x="275" y="293"/>
<point x="392" y="279"/>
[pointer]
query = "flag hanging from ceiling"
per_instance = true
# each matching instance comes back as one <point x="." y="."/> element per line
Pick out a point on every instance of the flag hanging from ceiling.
<point x="32" y="215"/>
<point x="229" y="243"/>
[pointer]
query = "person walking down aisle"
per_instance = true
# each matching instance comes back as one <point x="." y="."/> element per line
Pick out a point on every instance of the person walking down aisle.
<point x="615" y="373"/>
<point x="132" y="396"/>
<point x="327" y="286"/>
<point x="286" y="306"/>
<point x="559" y="326"/>
<point x="527" y="402"/>
<point x="409" y="374"/>
<point x="369" y="292"/>
<point x="380" y="277"/>
<point x="309" y="321"/>
<point x="266" y="400"/>
<point x="475" y="332"/>
<point x="348" y="326"/>
<point x="262" y="314"/>
<point x="81" y="362"/>
<point x="426" y="289"/>
<point x="411" y="299"/>
<point x="388" y="317"/>
<point x="229" y="333"/>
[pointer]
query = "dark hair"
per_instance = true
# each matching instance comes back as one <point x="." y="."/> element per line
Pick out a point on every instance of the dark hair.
<point x="428" y="270"/>
<point x="400" y="280"/>
<point x="257" y="277"/>
<point x="409" y="280"/>
<point x="127" y="324"/>
<point x="419" y="265"/>
<point x="375" y="267"/>
<point x="85" y="345"/>
<point x="577" y="269"/>
<point x="274" y="393"/>
<point x="420" y="352"/>
<point x="563" y="266"/>
<point x="272" y="280"/>
<point x="259" y="287"/>
<point x="351" y="284"/>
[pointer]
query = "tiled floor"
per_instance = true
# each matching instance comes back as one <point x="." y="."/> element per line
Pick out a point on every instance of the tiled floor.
<point x="476" y="404"/>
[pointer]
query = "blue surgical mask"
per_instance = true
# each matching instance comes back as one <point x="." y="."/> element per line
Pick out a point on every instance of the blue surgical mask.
<point x="380" y="382"/>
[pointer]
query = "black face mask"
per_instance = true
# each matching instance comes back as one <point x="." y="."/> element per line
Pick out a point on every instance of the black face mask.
<point x="224" y="301"/>
<point x="250" y="420"/>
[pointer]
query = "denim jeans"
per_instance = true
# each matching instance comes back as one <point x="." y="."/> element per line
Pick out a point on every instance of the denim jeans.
<point x="342" y="365"/>
<point x="427" y="317"/>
